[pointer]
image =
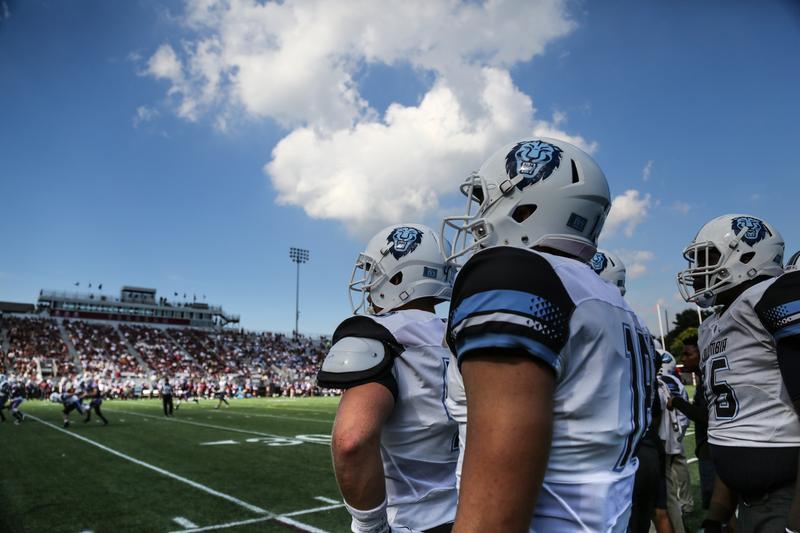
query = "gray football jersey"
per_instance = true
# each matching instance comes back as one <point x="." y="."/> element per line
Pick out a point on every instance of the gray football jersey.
<point x="419" y="444"/>
<point x="748" y="403"/>
<point x="559" y="311"/>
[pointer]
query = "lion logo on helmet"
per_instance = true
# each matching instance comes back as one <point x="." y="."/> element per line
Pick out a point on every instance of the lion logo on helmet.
<point x="533" y="160"/>
<point x="404" y="240"/>
<point x="599" y="262"/>
<point x="754" y="230"/>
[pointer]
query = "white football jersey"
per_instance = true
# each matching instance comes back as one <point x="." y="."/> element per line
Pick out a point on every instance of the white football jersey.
<point x="748" y="403"/>
<point x="559" y="311"/>
<point x="419" y="442"/>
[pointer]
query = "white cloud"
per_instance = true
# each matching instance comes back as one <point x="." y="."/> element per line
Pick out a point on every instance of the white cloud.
<point x="5" y="13"/>
<point x="636" y="261"/>
<point x="647" y="171"/>
<point x="297" y="62"/>
<point x="681" y="207"/>
<point x="144" y="115"/>
<point x="628" y="210"/>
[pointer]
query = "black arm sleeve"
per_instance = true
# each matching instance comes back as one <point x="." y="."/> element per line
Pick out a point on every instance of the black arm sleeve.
<point x="779" y="311"/>
<point x="694" y="413"/>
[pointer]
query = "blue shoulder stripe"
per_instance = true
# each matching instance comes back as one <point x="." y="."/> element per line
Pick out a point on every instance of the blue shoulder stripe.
<point x="788" y="331"/>
<point x="520" y="302"/>
<point x="506" y="340"/>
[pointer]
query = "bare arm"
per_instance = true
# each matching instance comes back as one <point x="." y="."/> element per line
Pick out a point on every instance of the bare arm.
<point x="362" y="413"/>
<point x="509" y="429"/>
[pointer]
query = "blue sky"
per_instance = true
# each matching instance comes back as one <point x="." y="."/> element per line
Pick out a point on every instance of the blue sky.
<point x="165" y="145"/>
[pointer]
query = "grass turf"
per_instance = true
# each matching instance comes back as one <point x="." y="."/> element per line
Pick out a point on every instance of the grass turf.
<point x="268" y="453"/>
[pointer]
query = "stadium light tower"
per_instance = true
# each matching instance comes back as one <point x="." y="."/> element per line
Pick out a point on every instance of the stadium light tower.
<point x="297" y="255"/>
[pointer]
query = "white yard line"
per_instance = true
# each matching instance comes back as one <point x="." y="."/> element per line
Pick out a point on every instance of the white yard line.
<point x="692" y="460"/>
<point x="184" y="522"/>
<point x="201" y="424"/>
<point x="284" y="519"/>
<point x="263" y="415"/>
<point x="199" y="486"/>
<point x="327" y="500"/>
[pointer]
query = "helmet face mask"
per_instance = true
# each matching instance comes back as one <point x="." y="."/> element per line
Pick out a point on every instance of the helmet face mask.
<point x="534" y="193"/>
<point x="728" y="251"/>
<point x="401" y="263"/>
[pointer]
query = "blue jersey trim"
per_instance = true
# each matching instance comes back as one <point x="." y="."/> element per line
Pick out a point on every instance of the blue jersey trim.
<point x="788" y="331"/>
<point x="506" y="340"/>
<point x="520" y="302"/>
<point x="789" y="308"/>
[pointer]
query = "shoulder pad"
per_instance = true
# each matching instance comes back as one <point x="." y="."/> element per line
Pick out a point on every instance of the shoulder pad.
<point x="353" y="361"/>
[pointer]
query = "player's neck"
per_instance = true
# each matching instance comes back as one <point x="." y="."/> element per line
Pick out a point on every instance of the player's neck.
<point x="553" y="251"/>
<point x="423" y="304"/>
<point x="725" y="299"/>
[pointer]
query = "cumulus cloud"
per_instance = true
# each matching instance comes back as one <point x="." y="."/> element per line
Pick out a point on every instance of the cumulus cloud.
<point x="636" y="261"/>
<point x="628" y="210"/>
<point x="144" y="115"/>
<point x="647" y="171"/>
<point x="298" y="62"/>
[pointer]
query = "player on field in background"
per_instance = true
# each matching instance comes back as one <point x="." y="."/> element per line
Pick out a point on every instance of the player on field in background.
<point x="547" y="353"/>
<point x="649" y="500"/>
<point x="95" y="395"/>
<point x="671" y="431"/>
<point x="71" y="402"/>
<point x="187" y="394"/>
<point x="5" y="393"/>
<point x="220" y="394"/>
<point x="395" y="445"/>
<point x="750" y="358"/>
<point x="17" y="397"/>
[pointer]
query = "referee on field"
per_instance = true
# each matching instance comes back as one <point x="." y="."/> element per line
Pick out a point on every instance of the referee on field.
<point x="166" y="397"/>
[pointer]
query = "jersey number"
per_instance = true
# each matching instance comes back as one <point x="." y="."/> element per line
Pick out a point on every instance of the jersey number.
<point x="725" y="404"/>
<point x="641" y="378"/>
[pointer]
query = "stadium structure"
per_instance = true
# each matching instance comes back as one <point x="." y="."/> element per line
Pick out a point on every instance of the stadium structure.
<point x="133" y="341"/>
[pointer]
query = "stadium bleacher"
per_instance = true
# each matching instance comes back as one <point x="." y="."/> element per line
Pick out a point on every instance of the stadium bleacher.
<point x="47" y="352"/>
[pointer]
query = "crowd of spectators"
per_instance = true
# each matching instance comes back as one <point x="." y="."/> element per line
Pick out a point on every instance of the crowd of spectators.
<point x="28" y="342"/>
<point x="242" y="363"/>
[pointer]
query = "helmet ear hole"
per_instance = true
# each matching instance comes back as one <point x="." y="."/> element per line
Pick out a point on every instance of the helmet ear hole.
<point x="575" y="176"/>
<point x="523" y="212"/>
<point x="746" y="258"/>
<point x="397" y="279"/>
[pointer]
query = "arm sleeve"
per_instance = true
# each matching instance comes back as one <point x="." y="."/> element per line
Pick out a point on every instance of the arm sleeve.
<point x="692" y="412"/>
<point x="509" y="299"/>
<point x="377" y="371"/>
<point x="779" y="312"/>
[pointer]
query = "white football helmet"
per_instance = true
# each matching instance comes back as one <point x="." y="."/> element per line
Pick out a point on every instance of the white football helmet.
<point x="538" y="192"/>
<point x="726" y="252"/>
<point x="401" y="263"/>
<point x="793" y="263"/>
<point x="668" y="363"/>
<point x="610" y="267"/>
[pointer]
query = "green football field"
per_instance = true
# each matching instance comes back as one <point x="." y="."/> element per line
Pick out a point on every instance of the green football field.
<point x="258" y="465"/>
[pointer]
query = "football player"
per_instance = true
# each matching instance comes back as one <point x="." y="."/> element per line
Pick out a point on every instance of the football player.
<point x="395" y="445"/>
<point x="17" y="397"/>
<point x="72" y="402"/>
<point x="549" y="446"/>
<point x="93" y="392"/>
<point x="5" y="392"/>
<point x="220" y="394"/>
<point x="750" y="360"/>
<point x="672" y="430"/>
<point x="649" y="501"/>
<point x="187" y="394"/>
